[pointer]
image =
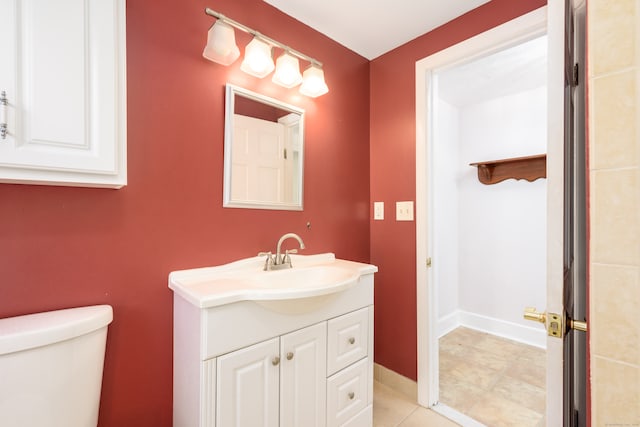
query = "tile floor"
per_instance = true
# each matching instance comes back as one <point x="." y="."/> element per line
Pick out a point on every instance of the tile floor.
<point x="499" y="382"/>
<point x="393" y="409"/>
<point x="496" y="381"/>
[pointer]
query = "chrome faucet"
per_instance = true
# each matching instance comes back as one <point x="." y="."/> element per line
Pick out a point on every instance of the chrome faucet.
<point x="285" y="259"/>
<point x="281" y="261"/>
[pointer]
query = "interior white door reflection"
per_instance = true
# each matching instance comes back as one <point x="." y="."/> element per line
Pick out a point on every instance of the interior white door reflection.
<point x="263" y="152"/>
<point x="258" y="161"/>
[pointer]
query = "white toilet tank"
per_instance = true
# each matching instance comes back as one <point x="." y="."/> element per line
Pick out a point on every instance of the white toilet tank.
<point x="51" y="367"/>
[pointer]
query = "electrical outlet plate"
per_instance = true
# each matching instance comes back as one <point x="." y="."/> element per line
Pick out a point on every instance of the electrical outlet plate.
<point x="404" y="211"/>
<point x="378" y="210"/>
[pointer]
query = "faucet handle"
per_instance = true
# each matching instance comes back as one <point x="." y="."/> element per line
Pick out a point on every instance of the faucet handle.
<point x="286" y="259"/>
<point x="268" y="262"/>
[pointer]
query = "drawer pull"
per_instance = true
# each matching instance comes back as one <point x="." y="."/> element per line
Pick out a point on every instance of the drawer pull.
<point x="351" y="395"/>
<point x="352" y="340"/>
<point x="275" y="361"/>
<point x="290" y="355"/>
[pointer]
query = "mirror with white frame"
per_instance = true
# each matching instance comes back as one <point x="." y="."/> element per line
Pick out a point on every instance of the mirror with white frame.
<point x="263" y="152"/>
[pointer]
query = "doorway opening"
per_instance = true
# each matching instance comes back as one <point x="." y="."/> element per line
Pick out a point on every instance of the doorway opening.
<point x="485" y="99"/>
<point x="490" y="240"/>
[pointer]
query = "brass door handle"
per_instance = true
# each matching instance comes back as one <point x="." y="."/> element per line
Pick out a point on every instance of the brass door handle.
<point x="578" y="325"/>
<point x="554" y="323"/>
<point x="530" y="313"/>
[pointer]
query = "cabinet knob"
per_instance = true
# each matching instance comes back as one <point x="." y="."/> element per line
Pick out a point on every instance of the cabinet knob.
<point x="290" y="355"/>
<point x="275" y="361"/>
<point x="352" y="340"/>
<point x="351" y="395"/>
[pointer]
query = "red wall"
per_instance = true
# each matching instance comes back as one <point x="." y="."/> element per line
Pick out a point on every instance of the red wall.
<point x="65" y="247"/>
<point x="392" y="118"/>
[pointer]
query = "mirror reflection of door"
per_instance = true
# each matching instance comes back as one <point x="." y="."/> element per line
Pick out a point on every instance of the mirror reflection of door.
<point x="263" y="152"/>
<point x="258" y="160"/>
<point x="292" y="157"/>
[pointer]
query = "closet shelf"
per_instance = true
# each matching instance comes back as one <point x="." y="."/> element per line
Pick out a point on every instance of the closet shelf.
<point x="529" y="168"/>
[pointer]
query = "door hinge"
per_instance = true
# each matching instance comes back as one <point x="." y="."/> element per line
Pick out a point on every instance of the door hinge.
<point x="576" y="74"/>
<point x="285" y="154"/>
<point x="3" y="113"/>
<point x="429" y="262"/>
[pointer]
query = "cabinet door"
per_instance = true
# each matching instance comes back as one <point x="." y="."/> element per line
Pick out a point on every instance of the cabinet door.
<point x="303" y="377"/>
<point x="63" y="73"/>
<point x="247" y="386"/>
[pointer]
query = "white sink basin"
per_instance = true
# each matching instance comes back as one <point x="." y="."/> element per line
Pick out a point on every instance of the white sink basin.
<point x="322" y="276"/>
<point x="311" y="276"/>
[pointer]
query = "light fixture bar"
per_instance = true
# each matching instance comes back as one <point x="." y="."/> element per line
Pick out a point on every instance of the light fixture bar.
<point x="261" y="36"/>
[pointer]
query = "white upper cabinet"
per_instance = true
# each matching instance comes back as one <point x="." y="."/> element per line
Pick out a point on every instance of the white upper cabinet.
<point x="63" y="74"/>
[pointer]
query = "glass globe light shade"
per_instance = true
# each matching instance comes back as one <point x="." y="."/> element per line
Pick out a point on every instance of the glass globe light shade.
<point x="313" y="83"/>
<point x="287" y="71"/>
<point x="221" y="44"/>
<point x="257" y="59"/>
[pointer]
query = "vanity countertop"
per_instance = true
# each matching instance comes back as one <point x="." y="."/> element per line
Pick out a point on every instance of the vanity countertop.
<point x="311" y="276"/>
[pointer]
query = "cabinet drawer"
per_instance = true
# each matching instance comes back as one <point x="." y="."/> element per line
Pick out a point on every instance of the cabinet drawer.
<point x="347" y="393"/>
<point x="363" y="419"/>
<point x="347" y="340"/>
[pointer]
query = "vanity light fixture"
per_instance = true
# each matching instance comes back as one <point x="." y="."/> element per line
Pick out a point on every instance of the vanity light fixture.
<point x="258" y="60"/>
<point x="221" y="44"/>
<point x="313" y="84"/>
<point x="287" y="71"/>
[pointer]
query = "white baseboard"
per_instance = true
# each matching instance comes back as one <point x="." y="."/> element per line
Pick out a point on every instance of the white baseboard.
<point x="448" y="323"/>
<point x="454" y="415"/>
<point x="536" y="337"/>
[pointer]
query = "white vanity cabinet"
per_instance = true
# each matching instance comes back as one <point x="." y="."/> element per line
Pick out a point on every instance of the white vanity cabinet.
<point x="281" y="381"/>
<point x="63" y="92"/>
<point x="292" y="362"/>
<point x="247" y="386"/>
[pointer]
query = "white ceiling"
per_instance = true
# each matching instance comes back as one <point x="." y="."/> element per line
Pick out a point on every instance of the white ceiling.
<point x="374" y="27"/>
<point x="516" y="69"/>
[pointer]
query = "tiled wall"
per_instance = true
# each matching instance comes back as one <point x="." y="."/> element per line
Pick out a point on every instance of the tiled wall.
<point x="614" y="151"/>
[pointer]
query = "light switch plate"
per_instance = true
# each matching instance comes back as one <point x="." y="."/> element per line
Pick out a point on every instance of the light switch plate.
<point x="404" y="211"/>
<point x="378" y="210"/>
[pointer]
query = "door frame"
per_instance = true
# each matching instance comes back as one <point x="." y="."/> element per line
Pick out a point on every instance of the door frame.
<point x="516" y="31"/>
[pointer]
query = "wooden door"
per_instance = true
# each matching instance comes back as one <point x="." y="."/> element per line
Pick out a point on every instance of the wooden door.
<point x="566" y="278"/>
